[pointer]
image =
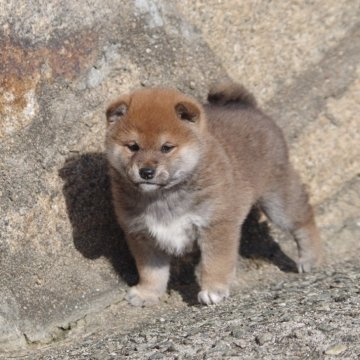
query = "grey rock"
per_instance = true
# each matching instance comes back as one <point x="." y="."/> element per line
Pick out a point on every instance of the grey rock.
<point x="237" y="333"/>
<point x="65" y="266"/>
<point x="263" y="338"/>
<point x="157" y="356"/>
<point x="335" y="349"/>
<point x="240" y="343"/>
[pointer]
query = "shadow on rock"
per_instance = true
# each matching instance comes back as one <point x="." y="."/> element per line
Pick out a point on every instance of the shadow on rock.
<point x="96" y="232"/>
<point x="257" y="242"/>
<point x="88" y="199"/>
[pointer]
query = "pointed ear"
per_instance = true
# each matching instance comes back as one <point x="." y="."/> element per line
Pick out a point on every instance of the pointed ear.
<point x="187" y="111"/>
<point x="117" y="110"/>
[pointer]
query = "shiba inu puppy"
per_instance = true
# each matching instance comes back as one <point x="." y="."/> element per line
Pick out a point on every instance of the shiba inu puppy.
<point x="185" y="174"/>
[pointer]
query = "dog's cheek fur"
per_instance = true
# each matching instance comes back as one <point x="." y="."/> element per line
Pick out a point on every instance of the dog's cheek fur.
<point x="115" y="157"/>
<point x="119" y="158"/>
<point x="163" y="173"/>
<point x="186" y="160"/>
<point x="132" y="171"/>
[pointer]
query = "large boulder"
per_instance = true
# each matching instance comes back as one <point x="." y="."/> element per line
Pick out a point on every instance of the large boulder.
<point x="62" y="255"/>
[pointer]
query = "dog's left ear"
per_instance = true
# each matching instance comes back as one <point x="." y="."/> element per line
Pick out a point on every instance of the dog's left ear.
<point x="187" y="111"/>
<point x="117" y="110"/>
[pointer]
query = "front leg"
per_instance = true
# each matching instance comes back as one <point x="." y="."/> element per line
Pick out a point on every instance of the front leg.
<point x="153" y="267"/>
<point x="219" y="251"/>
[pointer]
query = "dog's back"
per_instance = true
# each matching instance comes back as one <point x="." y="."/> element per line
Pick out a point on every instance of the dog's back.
<point x="251" y="139"/>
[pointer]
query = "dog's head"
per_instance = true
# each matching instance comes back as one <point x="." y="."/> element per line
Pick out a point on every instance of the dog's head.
<point x="154" y="137"/>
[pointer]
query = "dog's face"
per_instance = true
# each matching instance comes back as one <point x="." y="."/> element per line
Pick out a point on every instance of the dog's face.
<point x="154" y="137"/>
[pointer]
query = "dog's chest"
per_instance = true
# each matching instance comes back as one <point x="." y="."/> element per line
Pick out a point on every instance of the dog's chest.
<point x="174" y="228"/>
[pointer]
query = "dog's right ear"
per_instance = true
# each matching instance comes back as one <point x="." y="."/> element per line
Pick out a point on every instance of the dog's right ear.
<point x="187" y="111"/>
<point x="117" y="110"/>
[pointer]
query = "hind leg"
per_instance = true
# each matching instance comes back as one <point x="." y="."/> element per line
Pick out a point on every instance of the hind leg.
<point x="287" y="205"/>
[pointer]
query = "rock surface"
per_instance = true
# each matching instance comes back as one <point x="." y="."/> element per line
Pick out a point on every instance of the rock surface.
<point x="64" y="266"/>
<point x="312" y="316"/>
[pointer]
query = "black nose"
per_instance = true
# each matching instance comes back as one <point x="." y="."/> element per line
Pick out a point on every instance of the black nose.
<point x="147" y="173"/>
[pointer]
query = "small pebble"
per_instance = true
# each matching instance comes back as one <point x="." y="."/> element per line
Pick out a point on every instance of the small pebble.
<point x="299" y="334"/>
<point x="238" y="333"/>
<point x="240" y="343"/>
<point x="323" y="307"/>
<point x="156" y="356"/>
<point x="325" y="327"/>
<point x="263" y="338"/>
<point x="336" y="349"/>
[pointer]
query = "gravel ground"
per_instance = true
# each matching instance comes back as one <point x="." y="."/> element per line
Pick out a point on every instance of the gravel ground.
<point x="313" y="316"/>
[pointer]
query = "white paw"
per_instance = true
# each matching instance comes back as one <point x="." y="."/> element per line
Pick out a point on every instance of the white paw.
<point x="307" y="262"/>
<point x="138" y="296"/>
<point x="209" y="297"/>
<point x="303" y="267"/>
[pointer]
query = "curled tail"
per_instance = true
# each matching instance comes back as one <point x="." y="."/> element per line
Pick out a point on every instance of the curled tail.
<point x="227" y="93"/>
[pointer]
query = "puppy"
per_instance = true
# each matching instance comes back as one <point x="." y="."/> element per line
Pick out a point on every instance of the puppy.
<point x="185" y="174"/>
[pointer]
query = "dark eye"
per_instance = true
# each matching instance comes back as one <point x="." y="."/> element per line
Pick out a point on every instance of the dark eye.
<point x="166" y="148"/>
<point x="133" y="147"/>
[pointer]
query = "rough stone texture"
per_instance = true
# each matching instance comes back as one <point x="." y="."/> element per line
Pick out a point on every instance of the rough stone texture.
<point x="267" y="45"/>
<point x="335" y="128"/>
<point x="64" y="265"/>
<point x="294" y="317"/>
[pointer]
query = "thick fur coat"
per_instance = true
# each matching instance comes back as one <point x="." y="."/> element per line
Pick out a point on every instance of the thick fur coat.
<point x="183" y="173"/>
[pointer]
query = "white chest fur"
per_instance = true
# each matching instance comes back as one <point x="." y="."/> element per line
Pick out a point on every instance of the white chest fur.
<point x="174" y="225"/>
<point x="176" y="235"/>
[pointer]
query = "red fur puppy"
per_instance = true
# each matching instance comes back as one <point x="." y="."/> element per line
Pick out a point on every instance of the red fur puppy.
<point x="185" y="174"/>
